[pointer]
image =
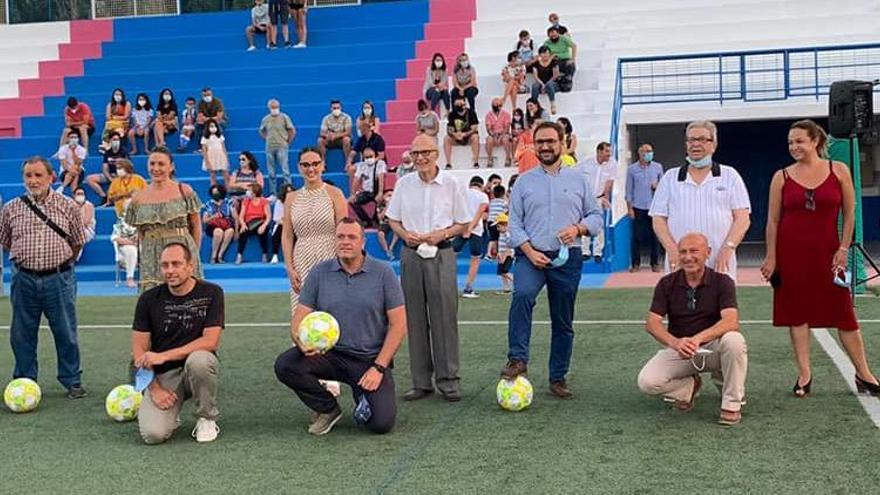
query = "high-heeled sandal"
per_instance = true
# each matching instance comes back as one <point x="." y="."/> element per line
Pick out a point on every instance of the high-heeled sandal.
<point x="801" y="391"/>
<point x="864" y="386"/>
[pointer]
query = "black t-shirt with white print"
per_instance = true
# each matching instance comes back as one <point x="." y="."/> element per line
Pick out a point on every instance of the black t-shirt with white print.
<point x="174" y="321"/>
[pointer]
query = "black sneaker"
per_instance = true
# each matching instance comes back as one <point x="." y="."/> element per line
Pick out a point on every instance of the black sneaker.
<point x="448" y="166"/>
<point x="76" y="392"/>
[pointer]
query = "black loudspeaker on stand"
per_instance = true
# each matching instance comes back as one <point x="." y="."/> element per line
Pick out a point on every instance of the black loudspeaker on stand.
<point x="850" y="115"/>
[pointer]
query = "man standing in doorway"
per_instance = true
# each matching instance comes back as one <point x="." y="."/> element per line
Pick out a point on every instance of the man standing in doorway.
<point x="642" y="178"/>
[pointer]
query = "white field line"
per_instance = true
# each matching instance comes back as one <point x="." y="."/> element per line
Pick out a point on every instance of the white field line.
<point x="870" y="403"/>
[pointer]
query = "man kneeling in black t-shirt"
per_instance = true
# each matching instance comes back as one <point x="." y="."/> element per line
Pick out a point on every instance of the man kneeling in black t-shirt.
<point x="176" y="333"/>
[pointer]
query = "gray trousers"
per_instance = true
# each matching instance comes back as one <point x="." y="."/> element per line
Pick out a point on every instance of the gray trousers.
<point x="430" y="291"/>
<point x="198" y="379"/>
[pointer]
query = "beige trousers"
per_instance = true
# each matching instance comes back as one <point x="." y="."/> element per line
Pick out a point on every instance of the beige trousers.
<point x="669" y="375"/>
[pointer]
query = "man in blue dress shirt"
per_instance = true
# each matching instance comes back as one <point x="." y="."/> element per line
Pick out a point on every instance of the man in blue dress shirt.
<point x="551" y="208"/>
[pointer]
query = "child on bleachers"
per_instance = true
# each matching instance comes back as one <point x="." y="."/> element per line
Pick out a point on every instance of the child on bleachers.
<point x="214" y="156"/>
<point x="514" y="77"/>
<point x="505" y="256"/>
<point x="526" y="48"/>
<point x="188" y="124"/>
<point x="385" y="227"/>
<point x="497" y="206"/>
<point x="142" y="118"/>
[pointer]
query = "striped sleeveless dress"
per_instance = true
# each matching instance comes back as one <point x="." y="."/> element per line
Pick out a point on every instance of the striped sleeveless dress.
<point x="314" y="225"/>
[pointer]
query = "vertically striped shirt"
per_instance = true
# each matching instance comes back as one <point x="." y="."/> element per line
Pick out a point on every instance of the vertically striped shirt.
<point x="34" y="245"/>
<point x="706" y="208"/>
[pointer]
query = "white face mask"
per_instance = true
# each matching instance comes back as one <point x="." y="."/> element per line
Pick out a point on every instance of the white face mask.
<point x="438" y="63"/>
<point x="79" y="198"/>
<point x="249" y="194"/>
<point x="166" y="97"/>
<point x="114" y="145"/>
<point x="370" y="161"/>
<point x="120" y="172"/>
<point x="142" y="102"/>
<point x="275" y="111"/>
<point x="465" y="64"/>
<point x="208" y="99"/>
<point x="336" y="112"/>
<point x="117" y="98"/>
<point x="73" y="141"/>
<point x="212" y="129"/>
<point x="368" y="111"/>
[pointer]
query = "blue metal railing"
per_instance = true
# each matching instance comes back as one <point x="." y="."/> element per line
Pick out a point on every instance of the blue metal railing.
<point x="755" y="75"/>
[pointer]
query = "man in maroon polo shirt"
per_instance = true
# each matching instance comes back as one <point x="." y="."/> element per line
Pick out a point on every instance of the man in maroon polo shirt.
<point x="702" y="334"/>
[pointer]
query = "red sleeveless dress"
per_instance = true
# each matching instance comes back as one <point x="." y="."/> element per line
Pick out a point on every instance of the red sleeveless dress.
<point x="806" y="242"/>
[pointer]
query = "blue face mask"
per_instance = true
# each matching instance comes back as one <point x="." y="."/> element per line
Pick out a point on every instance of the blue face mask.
<point x="561" y="258"/>
<point x="649" y="156"/>
<point x="704" y="162"/>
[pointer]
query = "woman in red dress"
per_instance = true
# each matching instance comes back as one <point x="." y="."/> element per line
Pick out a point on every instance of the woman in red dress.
<point x="805" y="254"/>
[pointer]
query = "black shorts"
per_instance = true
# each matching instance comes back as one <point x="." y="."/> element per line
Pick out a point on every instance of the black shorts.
<point x="493" y="233"/>
<point x="474" y="243"/>
<point x="278" y="13"/>
<point x="504" y="268"/>
<point x="297" y="5"/>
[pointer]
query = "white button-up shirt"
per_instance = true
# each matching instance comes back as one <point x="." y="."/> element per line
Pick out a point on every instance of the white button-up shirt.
<point x="598" y="175"/>
<point x="706" y="208"/>
<point x="423" y="207"/>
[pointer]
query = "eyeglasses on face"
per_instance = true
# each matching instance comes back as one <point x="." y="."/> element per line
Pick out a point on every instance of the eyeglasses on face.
<point x="699" y="140"/>
<point x="310" y="164"/>
<point x="418" y="153"/>
<point x="546" y="142"/>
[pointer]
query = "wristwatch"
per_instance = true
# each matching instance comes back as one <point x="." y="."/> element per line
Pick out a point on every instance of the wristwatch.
<point x="378" y="367"/>
<point x="730" y="244"/>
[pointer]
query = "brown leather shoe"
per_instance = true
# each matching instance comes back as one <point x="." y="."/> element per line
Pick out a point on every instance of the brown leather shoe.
<point x="657" y="268"/>
<point x="513" y="369"/>
<point x="416" y="394"/>
<point x="729" y="418"/>
<point x="560" y="389"/>
<point x="687" y="406"/>
<point x="451" y="396"/>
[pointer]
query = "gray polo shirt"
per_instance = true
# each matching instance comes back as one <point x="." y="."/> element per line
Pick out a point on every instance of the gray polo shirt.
<point x="359" y="302"/>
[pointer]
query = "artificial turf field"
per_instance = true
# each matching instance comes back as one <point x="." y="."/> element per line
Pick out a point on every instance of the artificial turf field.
<point x="609" y="439"/>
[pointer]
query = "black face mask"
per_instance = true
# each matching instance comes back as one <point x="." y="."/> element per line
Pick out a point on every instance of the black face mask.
<point x="496" y="109"/>
<point x="460" y="109"/>
<point x="216" y="196"/>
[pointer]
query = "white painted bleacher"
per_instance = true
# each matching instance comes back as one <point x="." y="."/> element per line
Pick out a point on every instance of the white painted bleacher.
<point x="24" y="46"/>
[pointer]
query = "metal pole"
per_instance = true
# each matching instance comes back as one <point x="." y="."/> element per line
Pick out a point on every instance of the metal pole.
<point x="94" y="9"/>
<point x="8" y="14"/>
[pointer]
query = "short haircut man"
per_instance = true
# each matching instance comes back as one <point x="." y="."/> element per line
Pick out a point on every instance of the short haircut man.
<point x="176" y="333"/>
<point x="364" y="296"/>
<point x="702" y="334"/>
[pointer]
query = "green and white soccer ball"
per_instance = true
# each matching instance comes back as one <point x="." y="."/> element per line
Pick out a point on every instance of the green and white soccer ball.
<point x="514" y="395"/>
<point x="319" y="331"/>
<point x="22" y="395"/>
<point x="123" y="403"/>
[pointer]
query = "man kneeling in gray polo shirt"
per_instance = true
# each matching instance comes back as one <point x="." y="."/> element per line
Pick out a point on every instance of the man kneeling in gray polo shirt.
<point x="365" y="297"/>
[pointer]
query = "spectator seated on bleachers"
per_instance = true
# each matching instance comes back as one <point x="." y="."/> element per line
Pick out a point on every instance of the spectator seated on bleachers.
<point x="335" y="130"/>
<point x="117" y="114"/>
<point x="462" y="130"/>
<point x="369" y="182"/>
<point x="278" y="131"/>
<point x="166" y="117"/>
<point x="71" y="156"/>
<point x="142" y="120"/>
<point x="427" y="121"/>
<point x="87" y="210"/>
<point x="219" y="220"/>
<point x="564" y="50"/>
<point x="111" y="155"/>
<point x="79" y="117"/>
<point x="210" y="108"/>
<point x="125" y="245"/>
<point x="535" y="113"/>
<point x="525" y="46"/>
<point x="384" y="227"/>
<point x="553" y="19"/>
<point x="569" y="143"/>
<point x="368" y="114"/>
<point x="124" y="185"/>
<point x="259" y="23"/>
<point x="498" y="132"/>
<point x="547" y="74"/>
<point x="369" y="139"/>
<point x="406" y="165"/>
<point x="214" y="155"/>
<point x="242" y="180"/>
<point x="254" y="216"/>
<point x="437" y="83"/>
<point x="513" y="75"/>
<point x="188" y="119"/>
<point x="517" y="125"/>
<point x="464" y="81"/>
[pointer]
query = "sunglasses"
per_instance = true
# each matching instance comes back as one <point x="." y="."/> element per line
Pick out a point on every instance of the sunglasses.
<point x="810" y="204"/>
<point x="692" y="299"/>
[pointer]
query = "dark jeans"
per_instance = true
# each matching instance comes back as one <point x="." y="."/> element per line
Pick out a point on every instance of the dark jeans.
<point x="469" y="93"/>
<point x="549" y="89"/>
<point x="301" y="373"/>
<point x="643" y="236"/>
<point x="362" y="199"/>
<point x="562" y="286"/>
<point x="263" y="238"/>
<point x="54" y="296"/>
<point x="567" y="69"/>
<point x="434" y="97"/>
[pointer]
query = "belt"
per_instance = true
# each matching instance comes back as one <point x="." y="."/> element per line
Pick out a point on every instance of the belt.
<point x="45" y="273"/>
<point x="440" y="245"/>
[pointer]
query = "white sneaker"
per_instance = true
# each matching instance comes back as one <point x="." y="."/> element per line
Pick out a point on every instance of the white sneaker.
<point x="300" y="45"/>
<point x="251" y="48"/>
<point x="274" y="260"/>
<point x="206" y="430"/>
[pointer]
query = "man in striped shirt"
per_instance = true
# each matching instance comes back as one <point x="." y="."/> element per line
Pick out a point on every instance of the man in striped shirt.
<point x="702" y="196"/>
<point x="42" y="251"/>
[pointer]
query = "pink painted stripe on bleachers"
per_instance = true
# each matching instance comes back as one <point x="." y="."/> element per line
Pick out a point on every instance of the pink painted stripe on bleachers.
<point x="85" y="43"/>
<point x="448" y="27"/>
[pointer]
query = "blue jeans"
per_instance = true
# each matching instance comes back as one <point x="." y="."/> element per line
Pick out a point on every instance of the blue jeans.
<point x="277" y="156"/>
<point x="54" y="296"/>
<point x="549" y="89"/>
<point x="434" y="97"/>
<point x="562" y="286"/>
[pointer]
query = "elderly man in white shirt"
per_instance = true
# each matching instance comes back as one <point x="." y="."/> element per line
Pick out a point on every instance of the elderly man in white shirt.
<point x="601" y="171"/>
<point x="428" y="209"/>
<point x="702" y="196"/>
